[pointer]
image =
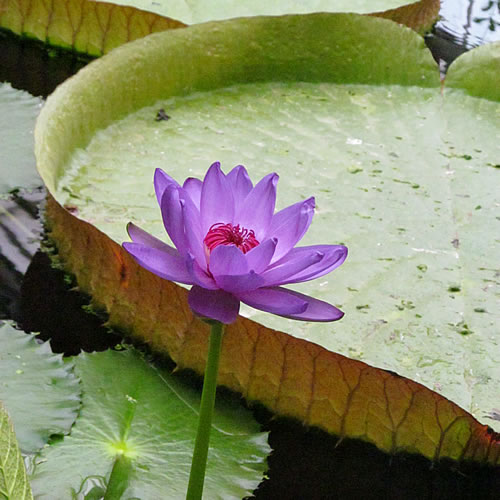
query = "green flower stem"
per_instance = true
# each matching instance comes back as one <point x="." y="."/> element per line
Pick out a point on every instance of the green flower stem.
<point x="119" y="478"/>
<point x="199" y="463"/>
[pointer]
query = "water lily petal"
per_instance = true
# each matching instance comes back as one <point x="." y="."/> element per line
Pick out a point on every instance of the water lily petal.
<point x="229" y="268"/>
<point x="334" y="256"/>
<point x="240" y="184"/>
<point x="161" y="181"/>
<point x="217" y="201"/>
<point x="193" y="187"/>
<point x="259" y="257"/>
<point x="214" y="304"/>
<point x="275" y="300"/>
<point x="239" y="284"/>
<point x="257" y="210"/>
<point x="227" y="260"/>
<point x="173" y="218"/>
<point x="290" y="266"/>
<point x="192" y="228"/>
<point x="164" y="264"/>
<point x="199" y="275"/>
<point x="138" y="235"/>
<point x="317" y="310"/>
<point x="289" y="225"/>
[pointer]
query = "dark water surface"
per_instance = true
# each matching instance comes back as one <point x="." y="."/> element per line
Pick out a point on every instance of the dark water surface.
<point x="305" y="463"/>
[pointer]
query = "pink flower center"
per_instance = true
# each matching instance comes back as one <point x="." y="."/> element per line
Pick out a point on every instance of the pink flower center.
<point x="227" y="234"/>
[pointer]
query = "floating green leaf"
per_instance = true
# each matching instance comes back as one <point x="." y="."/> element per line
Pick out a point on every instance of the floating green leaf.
<point x="135" y="435"/>
<point x="39" y="390"/>
<point x="18" y="111"/>
<point x="14" y="484"/>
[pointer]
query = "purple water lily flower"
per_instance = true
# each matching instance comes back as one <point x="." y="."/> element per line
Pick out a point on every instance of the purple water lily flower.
<point x="232" y="247"/>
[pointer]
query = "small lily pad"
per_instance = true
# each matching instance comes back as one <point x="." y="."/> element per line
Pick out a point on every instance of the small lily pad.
<point x="37" y="387"/>
<point x="141" y="421"/>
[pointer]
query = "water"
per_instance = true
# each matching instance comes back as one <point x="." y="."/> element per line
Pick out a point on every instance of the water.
<point x="20" y="230"/>
<point x="463" y="25"/>
<point x="470" y="23"/>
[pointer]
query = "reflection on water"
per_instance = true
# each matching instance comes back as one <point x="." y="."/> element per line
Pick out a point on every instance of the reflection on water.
<point x="30" y="65"/>
<point x="463" y="25"/>
<point x="20" y="230"/>
<point x="471" y="23"/>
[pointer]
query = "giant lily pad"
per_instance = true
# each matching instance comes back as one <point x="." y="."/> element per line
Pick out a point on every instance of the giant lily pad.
<point x="85" y="26"/>
<point x="345" y="107"/>
<point x="199" y="11"/>
<point x="136" y="429"/>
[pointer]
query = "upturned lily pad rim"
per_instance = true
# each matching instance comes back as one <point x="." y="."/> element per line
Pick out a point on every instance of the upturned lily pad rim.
<point x="338" y="48"/>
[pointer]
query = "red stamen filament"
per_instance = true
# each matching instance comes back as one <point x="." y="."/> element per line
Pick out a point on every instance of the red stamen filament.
<point x="227" y="234"/>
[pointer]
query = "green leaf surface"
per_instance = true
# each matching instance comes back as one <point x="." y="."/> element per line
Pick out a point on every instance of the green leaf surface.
<point x="477" y="72"/>
<point x="200" y="11"/>
<point x="342" y="48"/>
<point x="18" y="112"/>
<point x="135" y="433"/>
<point x="38" y="389"/>
<point x="14" y="483"/>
